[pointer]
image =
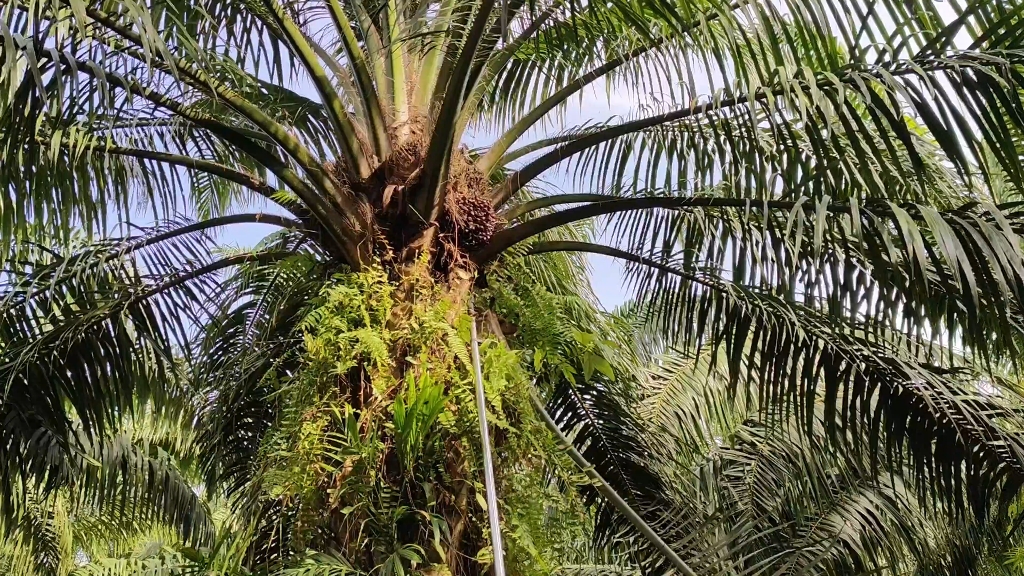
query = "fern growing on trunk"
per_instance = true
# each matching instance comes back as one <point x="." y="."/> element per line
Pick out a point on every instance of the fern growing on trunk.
<point x="375" y="450"/>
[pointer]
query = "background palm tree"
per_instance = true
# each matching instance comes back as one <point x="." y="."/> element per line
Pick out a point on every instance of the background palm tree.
<point x="763" y="493"/>
<point x="121" y="496"/>
<point x="834" y="218"/>
<point x="758" y="497"/>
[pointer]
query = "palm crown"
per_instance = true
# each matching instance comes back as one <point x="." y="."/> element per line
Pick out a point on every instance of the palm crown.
<point x="832" y="218"/>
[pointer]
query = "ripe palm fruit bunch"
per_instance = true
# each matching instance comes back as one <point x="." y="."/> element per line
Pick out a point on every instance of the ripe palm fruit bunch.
<point x="470" y="219"/>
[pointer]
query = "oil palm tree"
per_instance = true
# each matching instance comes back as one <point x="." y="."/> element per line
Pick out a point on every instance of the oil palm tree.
<point x="823" y="191"/>
<point x="763" y="490"/>
<point x="120" y="496"/>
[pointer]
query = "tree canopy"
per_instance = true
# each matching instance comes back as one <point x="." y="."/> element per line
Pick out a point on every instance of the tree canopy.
<point x="818" y="204"/>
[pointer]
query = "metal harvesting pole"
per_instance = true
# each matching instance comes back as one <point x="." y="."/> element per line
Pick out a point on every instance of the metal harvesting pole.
<point x="492" y="492"/>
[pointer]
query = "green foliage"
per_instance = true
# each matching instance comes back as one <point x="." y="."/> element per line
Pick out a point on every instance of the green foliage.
<point x="810" y="234"/>
<point x="416" y="410"/>
<point x="371" y="444"/>
<point x="127" y="496"/>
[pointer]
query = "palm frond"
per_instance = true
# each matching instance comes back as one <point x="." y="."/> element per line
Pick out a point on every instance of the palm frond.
<point x="245" y="348"/>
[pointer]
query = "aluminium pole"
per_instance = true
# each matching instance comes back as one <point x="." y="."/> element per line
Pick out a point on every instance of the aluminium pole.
<point x="492" y="492"/>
